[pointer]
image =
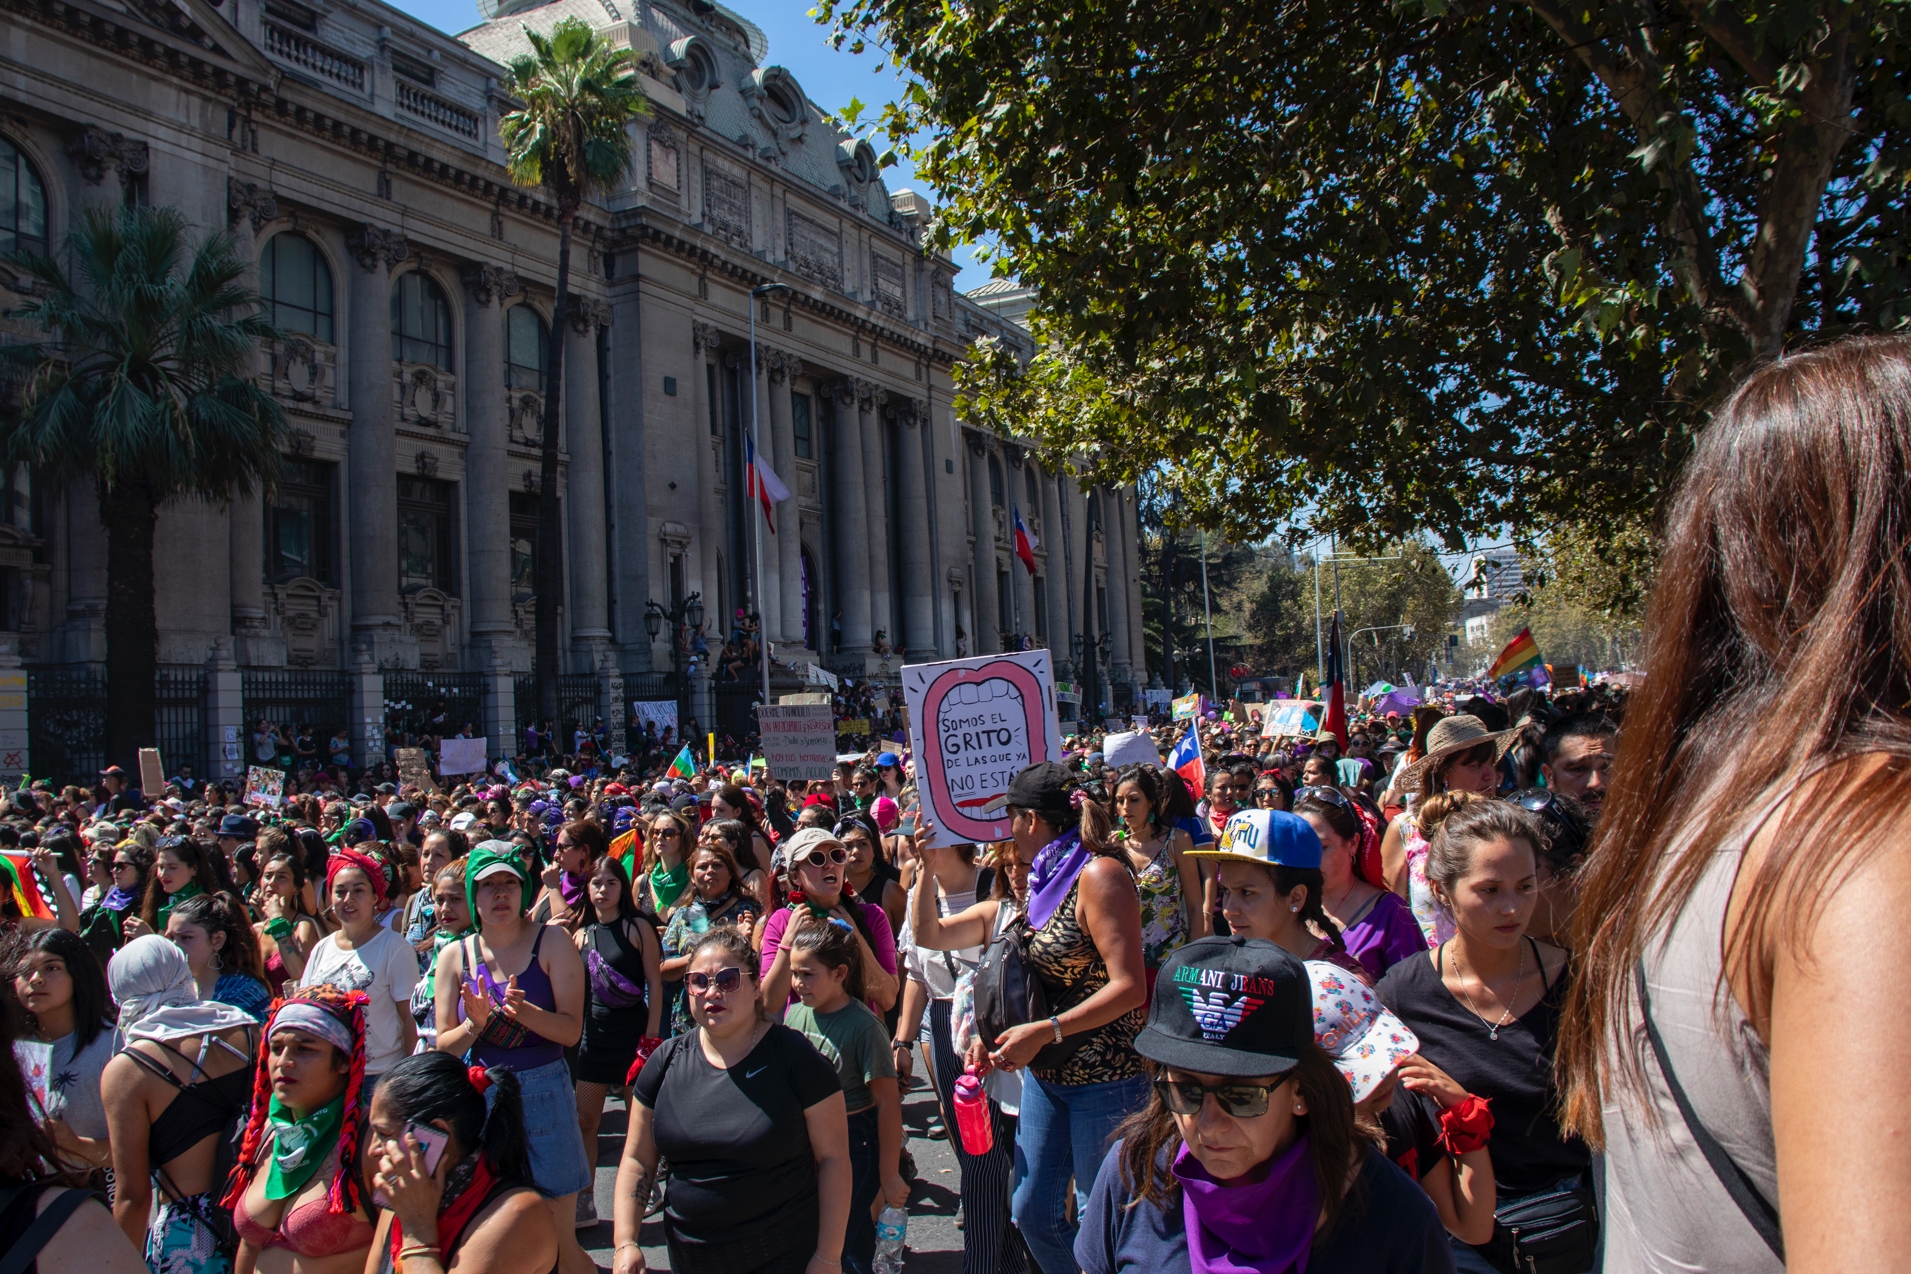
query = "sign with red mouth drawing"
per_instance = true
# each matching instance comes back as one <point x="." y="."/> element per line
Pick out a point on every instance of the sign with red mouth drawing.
<point x="974" y="723"/>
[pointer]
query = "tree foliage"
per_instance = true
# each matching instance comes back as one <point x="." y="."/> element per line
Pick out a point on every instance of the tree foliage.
<point x="1440" y="266"/>
<point x="143" y="387"/>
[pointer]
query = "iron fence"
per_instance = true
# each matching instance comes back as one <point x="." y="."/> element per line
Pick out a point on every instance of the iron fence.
<point x="66" y="724"/>
<point x="295" y="697"/>
<point x="433" y="703"/>
<point x="179" y="716"/>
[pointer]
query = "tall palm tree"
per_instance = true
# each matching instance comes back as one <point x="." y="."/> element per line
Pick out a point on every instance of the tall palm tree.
<point x="571" y="136"/>
<point x="142" y="386"/>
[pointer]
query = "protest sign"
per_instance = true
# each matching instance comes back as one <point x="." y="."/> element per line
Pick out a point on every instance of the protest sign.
<point x="265" y="786"/>
<point x="799" y="739"/>
<point x="461" y="756"/>
<point x="978" y="722"/>
<point x="1187" y="706"/>
<point x="1292" y="718"/>
<point x="661" y="714"/>
<point x="152" y="774"/>
<point x="413" y="769"/>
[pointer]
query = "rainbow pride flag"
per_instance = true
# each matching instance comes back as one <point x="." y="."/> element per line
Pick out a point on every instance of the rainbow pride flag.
<point x="1521" y="654"/>
<point x="16" y="874"/>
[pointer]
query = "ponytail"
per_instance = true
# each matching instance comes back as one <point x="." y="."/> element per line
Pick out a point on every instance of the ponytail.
<point x="503" y="1138"/>
<point x="1288" y="879"/>
<point x="487" y="1117"/>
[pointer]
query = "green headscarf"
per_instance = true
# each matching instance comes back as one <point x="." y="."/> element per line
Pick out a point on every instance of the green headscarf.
<point x="487" y="853"/>
<point x="191" y="889"/>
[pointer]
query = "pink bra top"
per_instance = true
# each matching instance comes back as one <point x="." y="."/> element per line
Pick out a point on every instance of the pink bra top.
<point x="309" y="1229"/>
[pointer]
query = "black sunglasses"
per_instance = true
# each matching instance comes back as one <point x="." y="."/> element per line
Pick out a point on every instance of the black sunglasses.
<point x="1331" y="795"/>
<point x="1243" y="1101"/>
<point x="1536" y="800"/>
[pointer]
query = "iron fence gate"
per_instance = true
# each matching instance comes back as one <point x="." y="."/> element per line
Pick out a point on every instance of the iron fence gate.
<point x="433" y="703"/>
<point x="295" y="697"/>
<point x="736" y="713"/>
<point x="179" y="716"/>
<point x="66" y="724"/>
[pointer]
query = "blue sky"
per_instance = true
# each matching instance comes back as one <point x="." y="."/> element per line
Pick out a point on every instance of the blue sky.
<point x="797" y="42"/>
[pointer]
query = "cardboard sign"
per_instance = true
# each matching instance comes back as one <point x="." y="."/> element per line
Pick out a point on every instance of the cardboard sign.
<point x="978" y="723"/>
<point x="413" y="769"/>
<point x="1187" y="706"/>
<point x="461" y="756"/>
<point x="799" y="739"/>
<point x="265" y="786"/>
<point x="152" y="775"/>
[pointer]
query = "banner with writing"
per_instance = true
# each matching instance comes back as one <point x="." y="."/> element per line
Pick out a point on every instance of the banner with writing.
<point x="976" y="724"/>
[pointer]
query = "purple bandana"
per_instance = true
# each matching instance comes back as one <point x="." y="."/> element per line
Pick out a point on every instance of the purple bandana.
<point x="1053" y="874"/>
<point x="571" y="886"/>
<point x="1263" y="1227"/>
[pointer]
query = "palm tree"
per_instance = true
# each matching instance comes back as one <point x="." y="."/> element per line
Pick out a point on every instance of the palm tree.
<point x="570" y="136"/>
<point x="143" y="387"/>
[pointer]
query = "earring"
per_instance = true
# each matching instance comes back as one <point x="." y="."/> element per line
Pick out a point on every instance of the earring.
<point x="217" y="963"/>
<point x="1295" y="910"/>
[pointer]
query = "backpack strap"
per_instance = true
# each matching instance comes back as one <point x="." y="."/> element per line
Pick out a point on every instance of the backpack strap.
<point x="24" y="1251"/>
<point x="1758" y="1212"/>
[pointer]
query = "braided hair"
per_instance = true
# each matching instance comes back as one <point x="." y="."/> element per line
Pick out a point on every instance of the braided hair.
<point x="347" y="1193"/>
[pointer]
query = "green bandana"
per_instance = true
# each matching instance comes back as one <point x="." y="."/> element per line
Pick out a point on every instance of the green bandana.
<point x="168" y="901"/>
<point x="666" y="883"/>
<point x="486" y="853"/>
<point x="299" y="1146"/>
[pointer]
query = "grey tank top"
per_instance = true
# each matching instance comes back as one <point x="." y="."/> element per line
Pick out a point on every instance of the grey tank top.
<point x="1665" y="1209"/>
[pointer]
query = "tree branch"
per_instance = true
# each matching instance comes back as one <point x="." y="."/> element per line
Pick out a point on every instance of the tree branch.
<point x="1731" y="33"/>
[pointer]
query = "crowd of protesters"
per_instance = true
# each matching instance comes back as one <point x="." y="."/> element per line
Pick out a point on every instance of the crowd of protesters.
<point x="1365" y="1000"/>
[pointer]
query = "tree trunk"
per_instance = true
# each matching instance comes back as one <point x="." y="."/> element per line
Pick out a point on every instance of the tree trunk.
<point x="129" y="514"/>
<point x="550" y="524"/>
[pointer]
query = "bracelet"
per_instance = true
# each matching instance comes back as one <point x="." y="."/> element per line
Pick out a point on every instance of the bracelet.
<point x="419" y="1249"/>
<point x="1057" y="1024"/>
<point x="628" y="1243"/>
<point x="278" y="927"/>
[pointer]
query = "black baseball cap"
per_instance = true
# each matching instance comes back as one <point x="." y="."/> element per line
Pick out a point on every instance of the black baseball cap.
<point x="1044" y="786"/>
<point x="1234" y="1006"/>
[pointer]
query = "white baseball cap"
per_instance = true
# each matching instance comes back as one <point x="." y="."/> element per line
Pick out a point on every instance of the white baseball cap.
<point x="1365" y="1040"/>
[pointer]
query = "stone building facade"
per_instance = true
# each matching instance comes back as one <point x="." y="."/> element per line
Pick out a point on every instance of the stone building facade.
<point x="355" y="155"/>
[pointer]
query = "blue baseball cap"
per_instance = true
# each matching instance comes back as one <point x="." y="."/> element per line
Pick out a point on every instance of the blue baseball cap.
<point x="889" y="759"/>
<point x="1267" y="836"/>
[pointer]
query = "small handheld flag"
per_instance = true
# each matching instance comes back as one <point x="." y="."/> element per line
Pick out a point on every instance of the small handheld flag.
<point x="16" y="876"/>
<point x="1186" y="760"/>
<point x="1025" y="542"/>
<point x="684" y="766"/>
<point x="1335" y="719"/>
<point x="1521" y="655"/>
<point x="762" y="483"/>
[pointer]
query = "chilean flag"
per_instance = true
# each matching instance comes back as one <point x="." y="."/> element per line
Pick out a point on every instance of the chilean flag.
<point x="1334" y="717"/>
<point x="1186" y="760"/>
<point x="762" y="483"/>
<point x="1024" y="542"/>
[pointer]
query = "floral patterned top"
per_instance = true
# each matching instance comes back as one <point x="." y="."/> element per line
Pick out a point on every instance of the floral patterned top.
<point x="1164" y="921"/>
<point x="1064" y="957"/>
<point x="1436" y="922"/>
<point x="686" y="923"/>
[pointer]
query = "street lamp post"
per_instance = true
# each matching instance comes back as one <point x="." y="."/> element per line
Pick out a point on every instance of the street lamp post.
<point x="756" y="442"/>
<point x="1382" y="628"/>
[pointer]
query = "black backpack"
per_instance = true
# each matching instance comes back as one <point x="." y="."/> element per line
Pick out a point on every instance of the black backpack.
<point x="1008" y="993"/>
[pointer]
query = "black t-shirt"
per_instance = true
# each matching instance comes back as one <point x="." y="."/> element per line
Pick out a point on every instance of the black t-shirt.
<point x="741" y="1167"/>
<point x="1515" y="1072"/>
<point x="1412" y="1124"/>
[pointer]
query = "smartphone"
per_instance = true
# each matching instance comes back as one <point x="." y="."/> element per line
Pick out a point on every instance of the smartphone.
<point x="433" y="1142"/>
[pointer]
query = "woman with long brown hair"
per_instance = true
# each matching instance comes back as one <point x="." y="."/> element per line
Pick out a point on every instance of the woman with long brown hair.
<point x="1749" y="862"/>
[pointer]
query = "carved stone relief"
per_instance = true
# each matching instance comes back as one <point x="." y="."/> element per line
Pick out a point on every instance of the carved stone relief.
<point x="886" y="284"/>
<point x="305" y="370"/>
<point x="424" y="395"/>
<point x="665" y="158"/>
<point x="815" y="251"/>
<point x="97" y="152"/>
<point x="431" y="619"/>
<point x="726" y="206"/>
<point x="305" y="612"/>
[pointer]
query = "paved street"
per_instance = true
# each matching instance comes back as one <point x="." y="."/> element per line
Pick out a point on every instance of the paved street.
<point x="935" y="1245"/>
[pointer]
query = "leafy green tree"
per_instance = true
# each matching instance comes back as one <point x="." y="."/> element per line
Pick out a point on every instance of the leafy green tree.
<point x="572" y="137"/>
<point x="1437" y="266"/>
<point x="142" y="386"/>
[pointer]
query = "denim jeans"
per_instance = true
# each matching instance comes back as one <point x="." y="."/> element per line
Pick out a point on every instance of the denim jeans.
<point x="865" y="1177"/>
<point x="1064" y="1131"/>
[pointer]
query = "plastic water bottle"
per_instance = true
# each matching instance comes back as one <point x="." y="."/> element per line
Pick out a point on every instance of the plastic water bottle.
<point x="972" y="1116"/>
<point x="891" y="1227"/>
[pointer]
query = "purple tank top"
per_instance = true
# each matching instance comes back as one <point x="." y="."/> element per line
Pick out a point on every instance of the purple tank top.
<point x="536" y="1051"/>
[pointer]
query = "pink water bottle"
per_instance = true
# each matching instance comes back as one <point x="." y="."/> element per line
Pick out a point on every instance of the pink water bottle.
<point x="972" y="1116"/>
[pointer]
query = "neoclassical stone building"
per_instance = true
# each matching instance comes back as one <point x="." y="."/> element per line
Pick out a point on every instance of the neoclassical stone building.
<point x="355" y="154"/>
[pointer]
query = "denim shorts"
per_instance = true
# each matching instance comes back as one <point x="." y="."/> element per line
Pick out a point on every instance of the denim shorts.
<point x="551" y="1132"/>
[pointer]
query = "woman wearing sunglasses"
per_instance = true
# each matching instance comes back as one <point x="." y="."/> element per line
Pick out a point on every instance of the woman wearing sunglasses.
<point x="819" y="883"/>
<point x="751" y="1118"/>
<point x="664" y="883"/>
<point x="1246" y="1156"/>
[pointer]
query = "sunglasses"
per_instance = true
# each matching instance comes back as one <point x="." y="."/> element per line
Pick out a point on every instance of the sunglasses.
<point x="723" y="981"/>
<point x="666" y="833"/>
<point x="1331" y="795"/>
<point x="1243" y="1101"/>
<point x="1266" y="793"/>
<point x="820" y="857"/>
<point x="120" y="865"/>
<point x="1536" y="800"/>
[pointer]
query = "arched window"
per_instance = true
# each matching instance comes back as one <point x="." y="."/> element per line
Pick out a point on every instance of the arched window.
<point x="1028" y="484"/>
<point x="420" y="321"/>
<point x="22" y="203"/>
<point x="527" y="349"/>
<point x="297" y="285"/>
<point x="995" y="481"/>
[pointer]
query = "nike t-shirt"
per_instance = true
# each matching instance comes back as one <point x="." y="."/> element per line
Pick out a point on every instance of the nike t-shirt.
<point x="741" y="1166"/>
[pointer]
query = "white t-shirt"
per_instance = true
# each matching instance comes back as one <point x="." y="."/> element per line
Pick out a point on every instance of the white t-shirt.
<point x="385" y="968"/>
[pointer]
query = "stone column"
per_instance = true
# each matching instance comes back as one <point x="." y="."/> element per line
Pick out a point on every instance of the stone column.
<point x="610" y="702"/>
<point x="1056" y="573"/>
<point x="373" y="453"/>
<point x="1119" y="569"/>
<point x="912" y="508"/>
<point x="703" y="339"/>
<point x="249" y="208"/>
<point x="16" y="759"/>
<point x="500" y="706"/>
<point x="849" y="501"/>
<point x="986" y="639"/>
<point x="365" y="699"/>
<point x="759" y="546"/>
<point x="788" y="541"/>
<point x="585" y="521"/>
<point x="870" y="399"/>
<point x="487" y="481"/>
<point x="631" y="541"/>
<point x="224" y="714"/>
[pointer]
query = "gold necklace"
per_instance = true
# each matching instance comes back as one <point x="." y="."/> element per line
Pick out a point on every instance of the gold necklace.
<point x="1493" y="1028"/>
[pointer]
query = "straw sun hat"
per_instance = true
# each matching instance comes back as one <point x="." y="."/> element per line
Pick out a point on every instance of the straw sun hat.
<point x="1449" y="735"/>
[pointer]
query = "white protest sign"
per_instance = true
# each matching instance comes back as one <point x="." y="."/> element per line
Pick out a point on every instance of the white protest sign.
<point x="975" y="724"/>
<point x="461" y="756"/>
<point x="662" y="714"/>
<point x="799" y="739"/>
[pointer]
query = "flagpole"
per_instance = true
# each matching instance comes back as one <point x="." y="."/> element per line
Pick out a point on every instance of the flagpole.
<point x="756" y="444"/>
